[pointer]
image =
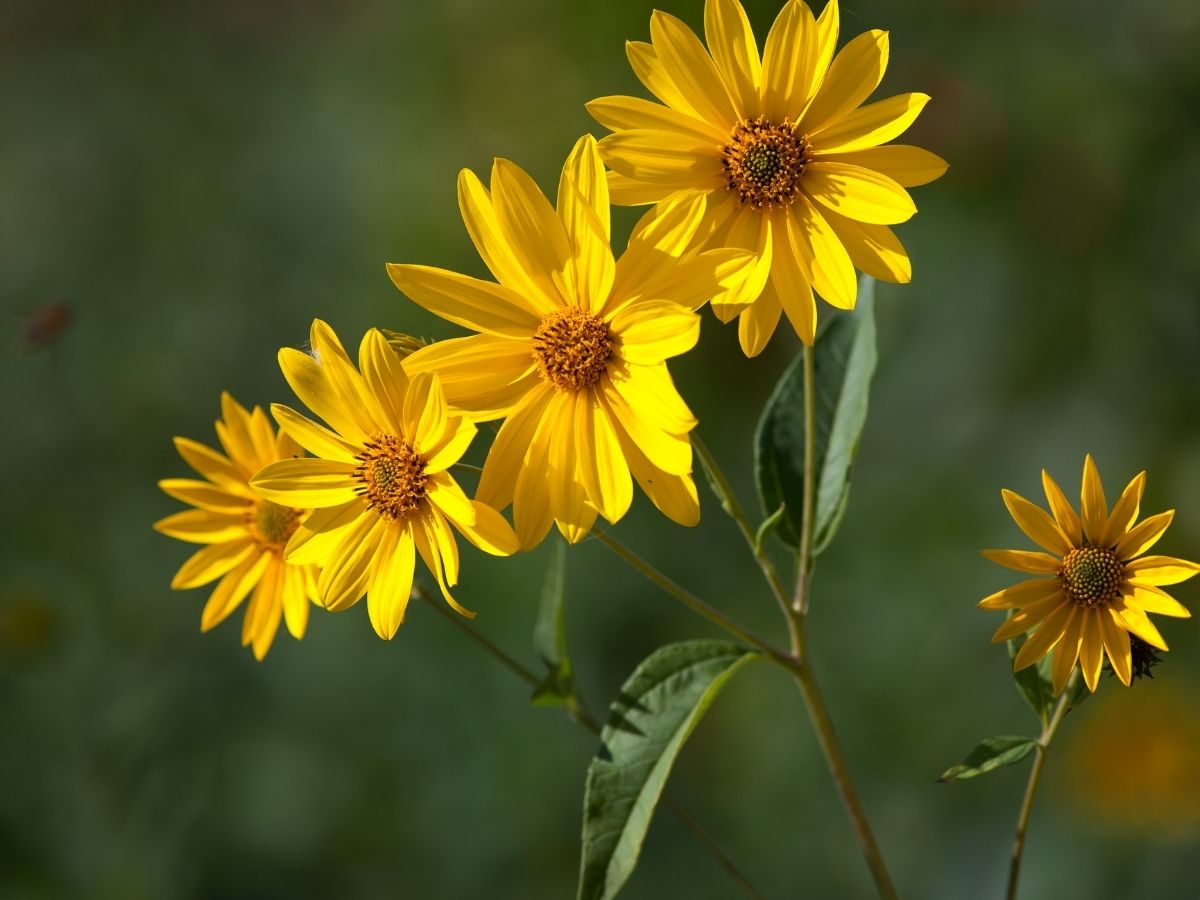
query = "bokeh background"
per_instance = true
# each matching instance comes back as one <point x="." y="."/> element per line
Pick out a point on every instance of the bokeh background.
<point x="196" y="182"/>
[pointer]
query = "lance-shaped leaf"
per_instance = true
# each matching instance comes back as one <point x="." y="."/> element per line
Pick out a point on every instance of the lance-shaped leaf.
<point x="550" y="638"/>
<point x="1036" y="683"/>
<point x="844" y="359"/>
<point x="988" y="755"/>
<point x="656" y="710"/>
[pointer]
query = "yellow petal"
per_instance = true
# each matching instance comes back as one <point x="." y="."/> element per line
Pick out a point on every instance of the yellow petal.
<point x="870" y="125"/>
<point x="906" y="165"/>
<point x="441" y="454"/>
<point x="320" y="533"/>
<point x="344" y="578"/>
<point x="1048" y="634"/>
<point x="530" y="225"/>
<point x="200" y="526"/>
<point x="205" y="495"/>
<point x="650" y="331"/>
<point x="1158" y="570"/>
<point x="1155" y="600"/>
<point x="662" y="235"/>
<point x="1023" y="594"/>
<point x="674" y="495"/>
<point x="1116" y="644"/>
<point x="568" y="497"/>
<point x="735" y="53"/>
<point x="855" y="73"/>
<point x="789" y="283"/>
<point x="479" y="215"/>
<point x="826" y="43"/>
<point x="1024" y="561"/>
<point x="384" y="377"/>
<point x="232" y="590"/>
<point x="1029" y="617"/>
<point x="264" y="612"/>
<point x="314" y="438"/>
<point x="262" y="435"/>
<point x="445" y="493"/>
<point x="1124" y="512"/>
<point x="346" y="382"/>
<point x="391" y="580"/>
<point x="307" y="483"/>
<point x="651" y="387"/>
<point x="481" y="375"/>
<point x="423" y="419"/>
<point x="431" y="540"/>
<point x="1091" y="649"/>
<point x="490" y="531"/>
<point x="1037" y="525"/>
<point x="822" y="257"/>
<point x="669" y="452"/>
<point x="212" y="465"/>
<point x="602" y="467"/>
<point x="671" y="160"/>
<point x="507" y="455"/>
<point x="859" y="194"/>
<point x="530" y="492"/>
<point x="874" y="249"/>
<point x="1144" y="535"/>
<point x="1066" y="652"/>
<point x="1137" y="622"/>
<point x="584" y="211"/>
<point x="691" y="69"/>
<point x="1064" y="514"/>
<point x="211" y="562"/>
<point x="234" y="433"/>
<point x="478" y="305"/>
<point x="650" y="71"/>
<point x="757" y="322"/>
<point x="1092" y="503"/>
<point x="623" y="113"/>
<point x="626" y="191"/>
<point x="789" y="60"/>
<point x="748" y="229"/>
<point x="295" y="601"/>
<point x="310" y="382"/>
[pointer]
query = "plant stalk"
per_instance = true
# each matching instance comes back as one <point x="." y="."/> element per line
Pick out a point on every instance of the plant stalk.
<point x="804" y="555"/>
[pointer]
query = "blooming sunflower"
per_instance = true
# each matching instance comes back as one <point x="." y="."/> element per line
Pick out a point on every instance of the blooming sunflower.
<point x="573" y="345"/>
<point x="790" y="159"/>
<point x="380" y="484"/>
<point x="1094" y="587"/>
<point x="244" y="533"/>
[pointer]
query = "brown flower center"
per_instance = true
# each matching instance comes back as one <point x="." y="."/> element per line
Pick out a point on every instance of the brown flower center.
<point x="1091" y="576"/>
<point x="273" y="524"/>
<point x="572" y="349"/>
<point x="763" y="162"/>
<point x="391" y="476"/>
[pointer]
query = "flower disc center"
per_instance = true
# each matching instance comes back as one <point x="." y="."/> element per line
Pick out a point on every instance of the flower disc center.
<point x="764" y="160"/>
<point x="274" y="524"/>
<point x="1091" y="575"/>
<point x="391" y="476"/>
<point x="572" y="349"/>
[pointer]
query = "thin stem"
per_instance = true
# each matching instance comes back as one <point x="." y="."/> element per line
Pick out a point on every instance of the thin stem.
<point x="694" y="603"/>
<point x="733" y="506"/>
<point x="1035" y="777"/>
<point x="584" y="719"/>
<point x="804" y="561"/>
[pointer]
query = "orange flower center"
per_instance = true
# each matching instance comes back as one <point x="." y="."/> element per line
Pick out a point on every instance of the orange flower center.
<point x="391" y="476"/>
<point x="763" y="162"/>
<point x="572" y="349"/>
<point x="273" y="524"/>
<point x="1091" y="576"/>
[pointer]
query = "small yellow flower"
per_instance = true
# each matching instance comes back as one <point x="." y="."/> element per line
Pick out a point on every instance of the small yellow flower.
<point x="573" y="345"/>
<point x="245" y="534"/>
<point x="1095" y="586"/>
<point x="380" y="485"/>
<point x="789" y="157"/>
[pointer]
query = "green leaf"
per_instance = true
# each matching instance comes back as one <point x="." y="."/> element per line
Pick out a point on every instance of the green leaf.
<point x="844" y="361"/>
<point x="550" y="638"/>
<point x="988" y="755"/>
<point x="658" y="707"/>
<point x="1034" y="681"/>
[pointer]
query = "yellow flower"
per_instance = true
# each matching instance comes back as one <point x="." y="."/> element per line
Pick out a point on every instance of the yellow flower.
<point x="1095" y="586"/>
<point x="790" y="159"/>
<point x="244" y="533"/>
<point x="380" y="485"/>
<point x="573" y="345"/>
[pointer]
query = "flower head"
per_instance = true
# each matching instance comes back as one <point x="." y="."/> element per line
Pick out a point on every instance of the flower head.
<point x="1093" y="587"/>
<point x="380" y="484"/>
<point x="244" y="534"/>
<point x="572" y="345"/>
<point x="792" y="163"/>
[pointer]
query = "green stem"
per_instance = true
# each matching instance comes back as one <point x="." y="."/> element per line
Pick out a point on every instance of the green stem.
<point x="804" y="557"/>
<point x="694" y="603"/>
<point x="584" y="718"/>
<point x="1035" y="777"/>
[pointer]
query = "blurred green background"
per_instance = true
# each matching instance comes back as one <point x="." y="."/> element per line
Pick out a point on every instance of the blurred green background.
<point x="198" y="181"/>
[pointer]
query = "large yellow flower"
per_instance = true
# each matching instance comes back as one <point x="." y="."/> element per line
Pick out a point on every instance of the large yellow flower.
<point x="1094" y="586"/>
<point x="380" y="485"/>
<point x="790" y="159"/>
<point x="244" y="533"/>
<point x="573" y="345"/>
